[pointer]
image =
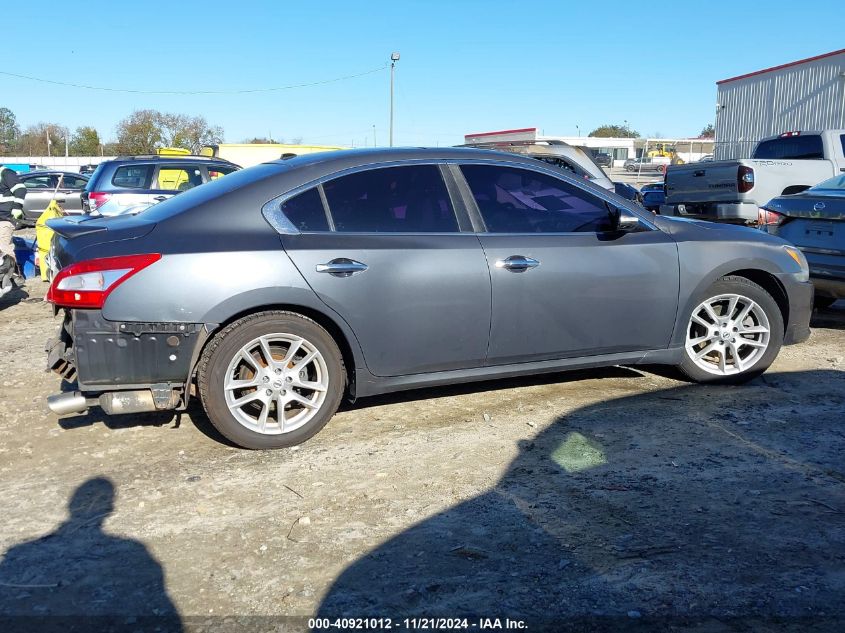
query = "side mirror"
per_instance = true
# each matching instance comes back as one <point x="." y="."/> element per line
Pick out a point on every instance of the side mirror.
<point x="624" y="220"/>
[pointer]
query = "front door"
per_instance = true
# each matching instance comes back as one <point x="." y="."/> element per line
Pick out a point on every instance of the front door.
<point x="387" y="254"/>
<point x="563" y="284"/>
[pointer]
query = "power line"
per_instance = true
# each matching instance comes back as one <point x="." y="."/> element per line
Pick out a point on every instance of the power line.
<point x="196" y="92"/>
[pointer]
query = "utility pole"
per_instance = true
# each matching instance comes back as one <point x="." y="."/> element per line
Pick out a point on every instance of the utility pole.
<point x="67" y="133"/>
<point x="394" y="57"/>
<point x="48" y="142"/>
<point x="375" y="144"/>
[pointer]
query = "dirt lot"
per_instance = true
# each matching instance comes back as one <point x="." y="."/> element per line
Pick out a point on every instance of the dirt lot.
<point x="618" y="497"/>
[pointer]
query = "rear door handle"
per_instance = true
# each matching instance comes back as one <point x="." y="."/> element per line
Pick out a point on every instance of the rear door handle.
<point x="342" y="267"/>
<point x="517" y="263"/>
<point x="160" y="198"/>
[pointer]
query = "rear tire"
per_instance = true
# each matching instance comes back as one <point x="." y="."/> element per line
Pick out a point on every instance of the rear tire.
<point x="733" y="334"/>
<point x="271" y="380"/>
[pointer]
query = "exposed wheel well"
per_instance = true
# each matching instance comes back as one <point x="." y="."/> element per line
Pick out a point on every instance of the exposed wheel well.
<point x="325" y="321"/>
<point x="794" y="189"/>
<point x="771" y="285"/>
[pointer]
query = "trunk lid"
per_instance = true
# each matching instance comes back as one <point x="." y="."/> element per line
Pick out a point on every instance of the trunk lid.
<point x="73" y="234"/>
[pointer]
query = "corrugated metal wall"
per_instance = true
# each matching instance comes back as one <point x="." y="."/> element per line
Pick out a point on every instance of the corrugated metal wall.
<point x="808" y="96"/>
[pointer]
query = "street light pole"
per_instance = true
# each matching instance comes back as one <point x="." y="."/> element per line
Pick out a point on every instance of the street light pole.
<point x="394" y="57"/>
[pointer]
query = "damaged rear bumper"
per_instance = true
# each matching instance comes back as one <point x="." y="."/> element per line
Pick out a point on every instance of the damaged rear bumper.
<point x="123" y="367"/>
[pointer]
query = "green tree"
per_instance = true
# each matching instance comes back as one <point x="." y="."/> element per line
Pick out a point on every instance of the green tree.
<point x="614" y="131"/>
<point x="144" y="131"/>
<point x="85" y="142"/>
<point x="9" y="131"/>
<point x="139" y="133"/>
<point x="708" y="131"/>
<point x="34" y="140"/>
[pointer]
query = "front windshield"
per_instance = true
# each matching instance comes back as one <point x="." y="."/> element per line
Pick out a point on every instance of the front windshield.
<point x="837" y="183"/>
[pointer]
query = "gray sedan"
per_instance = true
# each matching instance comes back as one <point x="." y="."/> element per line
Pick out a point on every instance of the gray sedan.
<point x="277" y="290"/>
<point x="44" y="186"/>
<point x="814" y="220"/>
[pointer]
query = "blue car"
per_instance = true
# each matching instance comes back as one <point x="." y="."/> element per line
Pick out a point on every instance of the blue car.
<point x="814" y="220"/>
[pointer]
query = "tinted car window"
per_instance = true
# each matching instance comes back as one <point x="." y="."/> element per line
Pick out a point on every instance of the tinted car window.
<point x="393" y="199"/>
<point x="515" y="200"/>
<point x="133" y="176"/>
<point x="178" y="178"/>
<point x="794" y="147"/>
<point x="306" y="212"/>
<point x="73" y="182"/>
<point x="39" y="182"/>
<point x="216" y="171"/>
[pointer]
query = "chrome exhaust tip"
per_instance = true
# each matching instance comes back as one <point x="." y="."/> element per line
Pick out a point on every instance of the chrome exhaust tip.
<point x="67" y="403"/>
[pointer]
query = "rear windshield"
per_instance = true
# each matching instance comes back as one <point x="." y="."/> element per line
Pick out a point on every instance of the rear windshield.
<point x="209" y="191"/>
<point x="95" y="177"/>
<point x="792" y="147"/>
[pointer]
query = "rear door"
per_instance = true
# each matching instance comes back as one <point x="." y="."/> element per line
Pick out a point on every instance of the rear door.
<point x="71" y="191"/>
<point x="173" y="178"/>
<point x="563" y="285"/>
<point x="387" y="249"/>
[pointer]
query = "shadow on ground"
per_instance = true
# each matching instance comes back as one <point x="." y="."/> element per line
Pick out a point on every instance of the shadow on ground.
<point x="80" y="578"/>
<point x="703" y="508"/>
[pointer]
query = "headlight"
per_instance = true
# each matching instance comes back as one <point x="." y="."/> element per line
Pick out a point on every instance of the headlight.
<point x="798" y="256"/>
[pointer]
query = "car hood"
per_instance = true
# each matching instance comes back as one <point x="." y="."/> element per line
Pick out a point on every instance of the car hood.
<point x="688" y="228"/>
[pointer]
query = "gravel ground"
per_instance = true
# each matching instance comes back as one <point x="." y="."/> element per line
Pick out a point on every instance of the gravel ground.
<point x="617" y="498"/>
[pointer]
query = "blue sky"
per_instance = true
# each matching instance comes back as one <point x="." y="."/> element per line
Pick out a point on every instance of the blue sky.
<point x="466" y="66"/>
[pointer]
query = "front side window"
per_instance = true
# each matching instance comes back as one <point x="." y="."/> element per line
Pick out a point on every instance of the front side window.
<point x="410" y="199"/>
<point x="40" y="182"/>
<point x="132" y="176"/>
<point x="513" y="200"/>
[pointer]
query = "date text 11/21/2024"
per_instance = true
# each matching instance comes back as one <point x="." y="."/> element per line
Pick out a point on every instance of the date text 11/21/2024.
<point x="416" y="624"/>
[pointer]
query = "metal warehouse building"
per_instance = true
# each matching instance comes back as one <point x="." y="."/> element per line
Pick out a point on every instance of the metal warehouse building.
<point x="805" y="95"/>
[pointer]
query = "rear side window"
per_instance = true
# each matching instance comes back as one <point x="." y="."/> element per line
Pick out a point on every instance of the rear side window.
<point x="178" y="178"/>
<point x="513" y="200"/>
<point x="842" y="140"/>
<point x="73" y="182"/>
<point x="306" y="212"/>
<point x="133" y="176"/>
<point x="411" y="199"/>
<point x="792" y="147"/>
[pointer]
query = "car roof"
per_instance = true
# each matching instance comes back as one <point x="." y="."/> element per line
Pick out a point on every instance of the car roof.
<point x="155" y="158"/>
<point x="51" y="172"/>
<point x="359" y="157"/>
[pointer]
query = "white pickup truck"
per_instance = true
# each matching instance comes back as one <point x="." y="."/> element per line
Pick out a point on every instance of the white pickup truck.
<point x="734" y="190"/>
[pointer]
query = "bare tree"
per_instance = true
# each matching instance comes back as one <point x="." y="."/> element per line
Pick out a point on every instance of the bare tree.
<point x="144" y="131"/>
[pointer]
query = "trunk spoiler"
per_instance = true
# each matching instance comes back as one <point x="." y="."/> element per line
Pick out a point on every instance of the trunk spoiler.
<point x="74" y="227"/>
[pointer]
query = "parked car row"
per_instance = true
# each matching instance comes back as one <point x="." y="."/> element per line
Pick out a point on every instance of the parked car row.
<point x="485" y="264"/>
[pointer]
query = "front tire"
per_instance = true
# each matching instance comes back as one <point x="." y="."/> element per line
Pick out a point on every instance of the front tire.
<point x="271" y="380"/>
<point x="733" y="334"/>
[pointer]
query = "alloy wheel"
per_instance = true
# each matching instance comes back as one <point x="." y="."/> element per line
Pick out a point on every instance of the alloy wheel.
<point x="727" y="334"/>
<point x="276" y="383"/>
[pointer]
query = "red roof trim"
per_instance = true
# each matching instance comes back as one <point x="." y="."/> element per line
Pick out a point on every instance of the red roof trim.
<point x="524" y="129"/>
<point x="768" y="70"/>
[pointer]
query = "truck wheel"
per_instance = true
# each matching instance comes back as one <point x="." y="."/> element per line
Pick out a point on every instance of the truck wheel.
<point x="271" y="380"/>
<point x="733" y="334"/>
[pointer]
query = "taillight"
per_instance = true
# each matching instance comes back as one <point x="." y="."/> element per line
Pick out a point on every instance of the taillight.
<point x="744" y="179"/>
<point x="96" y="199"/>
<point x="86" y="284"/>
<point x="767" y="217"/>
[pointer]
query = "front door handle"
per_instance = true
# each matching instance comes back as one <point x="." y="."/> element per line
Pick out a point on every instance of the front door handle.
<point x="160" y="198"/>
<point x="517" y="263"/>
<point x="342" y="267"/>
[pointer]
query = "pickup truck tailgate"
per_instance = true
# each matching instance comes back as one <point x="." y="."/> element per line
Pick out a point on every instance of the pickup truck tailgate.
<point x="702" y="182"/>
